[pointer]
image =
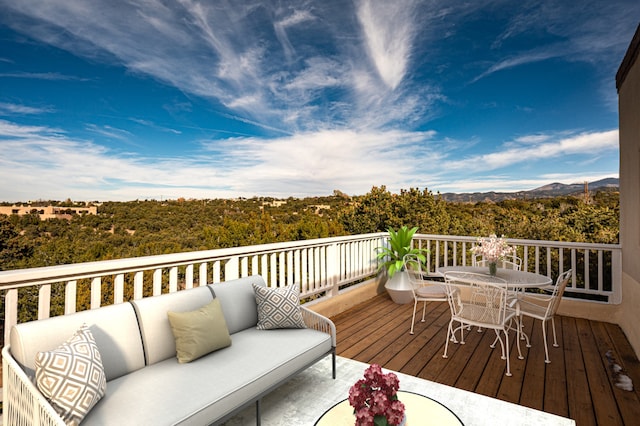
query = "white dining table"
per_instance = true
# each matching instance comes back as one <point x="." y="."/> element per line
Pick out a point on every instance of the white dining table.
<point x="514" y="278"/>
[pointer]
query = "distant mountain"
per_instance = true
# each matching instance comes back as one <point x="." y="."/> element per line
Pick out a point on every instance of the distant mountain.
<point x="547" y="191"/>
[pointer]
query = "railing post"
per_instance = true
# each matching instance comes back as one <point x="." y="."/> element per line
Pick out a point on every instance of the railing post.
<point x="616" y="276"/>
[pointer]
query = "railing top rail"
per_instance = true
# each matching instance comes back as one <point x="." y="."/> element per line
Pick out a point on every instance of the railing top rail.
<point x="516" y="241"/>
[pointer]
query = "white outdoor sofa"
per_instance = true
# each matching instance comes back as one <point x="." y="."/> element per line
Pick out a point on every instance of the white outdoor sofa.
<point x="145" y="383"/>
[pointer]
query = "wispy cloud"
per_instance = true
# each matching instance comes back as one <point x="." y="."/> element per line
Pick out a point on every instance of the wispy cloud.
<point x="110" y="132"/>
<point x="572" y="31"/>
<point x="52" y="76"/>
<point x="18" y="109"/>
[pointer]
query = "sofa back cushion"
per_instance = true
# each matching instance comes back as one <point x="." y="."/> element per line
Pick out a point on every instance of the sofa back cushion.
<point x="114" y="328"/>
<point x="238" y="302"/>
<point x="157" y="337"/>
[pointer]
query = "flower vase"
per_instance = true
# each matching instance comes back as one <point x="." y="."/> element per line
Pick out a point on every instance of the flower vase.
<point x="493" y="268"/>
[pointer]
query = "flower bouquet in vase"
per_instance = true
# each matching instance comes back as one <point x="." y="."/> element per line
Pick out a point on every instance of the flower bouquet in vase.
<point x="374" y="399"/>
<point x="492" y="249"/>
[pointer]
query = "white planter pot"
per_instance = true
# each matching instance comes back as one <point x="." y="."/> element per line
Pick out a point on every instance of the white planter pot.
<point x="399" y="288"/>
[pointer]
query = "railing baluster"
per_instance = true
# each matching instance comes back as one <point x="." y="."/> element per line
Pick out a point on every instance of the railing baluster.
<point x="289" y="267"/>
<point x="96" y="292"/>
<point x="70" y="297"/>
<point x="587" y="281"/>
<point x="188" y="276"/>
<point x="157" y="282"/>
<point x="10" y="311"/>
<point x="244" y="266"/>
<point x="138" y="285"/>
<point x="217" y="272"/>
<point x="118" y="289"/>
<point x="44" y="301"/>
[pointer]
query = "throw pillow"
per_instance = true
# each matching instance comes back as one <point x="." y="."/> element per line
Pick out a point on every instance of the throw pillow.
<point x="278" y="307"/>
<point x="72" y="377"/>
<point x="199" y="332"/>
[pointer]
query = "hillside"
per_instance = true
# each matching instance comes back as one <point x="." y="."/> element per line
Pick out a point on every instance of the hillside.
<point x="551" y="190"/>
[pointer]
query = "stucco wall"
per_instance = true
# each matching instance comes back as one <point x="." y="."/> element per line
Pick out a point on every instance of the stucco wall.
<point x="629" y="113"/>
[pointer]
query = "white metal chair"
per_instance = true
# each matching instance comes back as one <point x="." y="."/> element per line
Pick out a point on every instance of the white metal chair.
<point x="492" y="312"/>
<point x="544" y="308"/>
<point x="424" y="290"/>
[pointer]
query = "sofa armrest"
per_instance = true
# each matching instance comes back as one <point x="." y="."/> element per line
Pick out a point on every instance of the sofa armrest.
<point x="22" y="402"/>
<point x="319" y="322"/>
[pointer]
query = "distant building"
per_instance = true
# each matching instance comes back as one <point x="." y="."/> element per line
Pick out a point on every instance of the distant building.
<point x="274" y="203"/>
<point x="48" y="212"/>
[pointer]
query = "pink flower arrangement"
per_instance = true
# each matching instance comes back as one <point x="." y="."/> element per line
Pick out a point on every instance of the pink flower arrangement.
<point x="492" y="248"/>
<point x="374" y="398"/>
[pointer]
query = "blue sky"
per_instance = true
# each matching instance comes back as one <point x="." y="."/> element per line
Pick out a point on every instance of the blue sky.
<point x="125" y="100"/>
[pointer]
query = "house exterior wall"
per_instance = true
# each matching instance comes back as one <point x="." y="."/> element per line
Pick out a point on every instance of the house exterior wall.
<point x="628" y="83"/>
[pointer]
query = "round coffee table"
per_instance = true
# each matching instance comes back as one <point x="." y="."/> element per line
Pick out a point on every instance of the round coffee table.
<point x="420" y="410"/>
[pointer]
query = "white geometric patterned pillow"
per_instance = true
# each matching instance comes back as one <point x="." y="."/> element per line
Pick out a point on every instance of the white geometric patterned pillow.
<point x="278" y="307"/>
<point x="72" y="377"/>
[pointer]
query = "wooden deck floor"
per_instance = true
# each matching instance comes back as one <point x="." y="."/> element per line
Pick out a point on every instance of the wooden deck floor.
<point x="576" y="384"/>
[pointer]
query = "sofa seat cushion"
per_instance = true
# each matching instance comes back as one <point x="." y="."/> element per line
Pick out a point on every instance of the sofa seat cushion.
<point x="210" y="387"/>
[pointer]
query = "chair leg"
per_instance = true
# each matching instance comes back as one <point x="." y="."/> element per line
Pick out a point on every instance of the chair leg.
<point x="544" y="336"/>
<point x="446" y="344"/>
<point x="506" y="338"/>
<point x="424" y="309"/>
<point x="553" y="325"/>
<point x="518" y="336"/>
<point x="413" y="318"/>
<point x="524" y="335"/>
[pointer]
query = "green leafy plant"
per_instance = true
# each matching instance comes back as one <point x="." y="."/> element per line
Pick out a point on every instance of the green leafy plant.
<point x="399" y="247"/>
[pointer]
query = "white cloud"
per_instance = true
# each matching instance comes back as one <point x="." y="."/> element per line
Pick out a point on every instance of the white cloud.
<point x="388" y="31"/>
<point x="582" y="144"/>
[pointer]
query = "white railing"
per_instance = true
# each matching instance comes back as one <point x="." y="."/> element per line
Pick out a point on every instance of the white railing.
<point x="322" y="267"/>
<point x="597" y="268"/>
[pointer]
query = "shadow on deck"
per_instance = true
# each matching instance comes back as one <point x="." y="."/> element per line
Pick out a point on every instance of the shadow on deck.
<point x="578" y="383"/>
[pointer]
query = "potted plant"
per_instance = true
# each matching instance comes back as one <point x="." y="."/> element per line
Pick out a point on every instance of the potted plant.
<point x="399" y="245"/>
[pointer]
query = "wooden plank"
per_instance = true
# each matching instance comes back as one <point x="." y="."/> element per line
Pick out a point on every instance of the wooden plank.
<point x="532" y="394"/>
<point x="555" y="383"/>
<point x="626" y="355"/>
<point x="510" y="387"/>
<point x="604" y="404"/>
<point x="627" y="401"/>
<point x="578" y="394"/>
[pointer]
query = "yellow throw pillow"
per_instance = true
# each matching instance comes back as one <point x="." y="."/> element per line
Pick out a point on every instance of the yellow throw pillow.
<point x="199" y="332"/>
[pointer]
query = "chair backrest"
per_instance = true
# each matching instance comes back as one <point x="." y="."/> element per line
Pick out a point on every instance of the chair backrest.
<point x="480" y="290"/>
<point x="558" y="291"/>
<point x="415" y="268"/>
<point x="513" y="263"/>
